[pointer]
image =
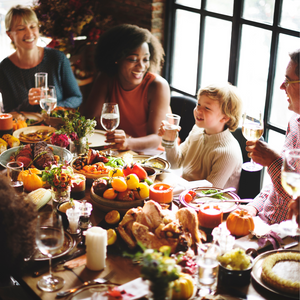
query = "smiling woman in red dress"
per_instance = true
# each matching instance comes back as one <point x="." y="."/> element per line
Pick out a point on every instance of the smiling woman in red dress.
<point x="128" y="58"/>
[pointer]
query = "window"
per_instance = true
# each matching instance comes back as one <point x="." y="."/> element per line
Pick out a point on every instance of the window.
<point x="245" y="42"/>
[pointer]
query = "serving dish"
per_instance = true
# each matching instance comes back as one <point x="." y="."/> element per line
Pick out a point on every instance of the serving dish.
<point x="156" y="162"/>
<point x="225" y="206"/>
<point x="107" y="205"/>
<point x="69" y="244"/>
<point x="37" y="117"/>
<point x="64" y="154"/>
<point x="31" y="129"/>
<point x="257" y="269"/>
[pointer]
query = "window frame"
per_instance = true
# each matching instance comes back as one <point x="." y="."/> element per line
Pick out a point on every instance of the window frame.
<point x="236" y="34"/>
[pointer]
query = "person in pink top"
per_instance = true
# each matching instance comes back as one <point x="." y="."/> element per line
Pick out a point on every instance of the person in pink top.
<point x="128" y="58"/>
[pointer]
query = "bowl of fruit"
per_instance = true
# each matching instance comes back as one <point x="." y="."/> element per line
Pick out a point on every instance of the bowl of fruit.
<point x="122" y="189"/>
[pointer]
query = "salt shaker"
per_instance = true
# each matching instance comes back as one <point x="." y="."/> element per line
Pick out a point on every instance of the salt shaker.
<point x="96" y="242"/>
<point x="85" y="213"/>
<point x="73" y="215"/>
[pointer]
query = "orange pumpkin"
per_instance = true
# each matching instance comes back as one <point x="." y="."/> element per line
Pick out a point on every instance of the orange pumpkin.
<point x="239" y="222"/>
<point x="31" y="181"/>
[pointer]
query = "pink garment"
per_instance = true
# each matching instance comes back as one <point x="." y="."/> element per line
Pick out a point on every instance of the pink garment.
<point x="133" y="106"/>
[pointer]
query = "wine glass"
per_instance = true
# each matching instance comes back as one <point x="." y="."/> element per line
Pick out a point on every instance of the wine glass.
<point x="49" y="239"/>
<point x="110" y="116"/>
<point x="290" y="180"/>
<point x="48" y="99"/>
<point x="252" y="130"/>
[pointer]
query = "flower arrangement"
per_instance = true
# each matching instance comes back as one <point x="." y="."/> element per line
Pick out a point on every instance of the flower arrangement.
<point x="66" y="19"/>
<point x="58" y="177"/>
<point x="159" y="268"/>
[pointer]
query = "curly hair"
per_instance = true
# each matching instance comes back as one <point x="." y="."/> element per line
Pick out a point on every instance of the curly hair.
<point x="119" y="41"/>
<point x="17" y="228"/>
<point x="229" y="100"/>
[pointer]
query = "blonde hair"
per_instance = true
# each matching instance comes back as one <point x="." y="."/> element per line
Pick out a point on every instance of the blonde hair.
<point x="19" y="12"/>
<point x="229" y="100"/>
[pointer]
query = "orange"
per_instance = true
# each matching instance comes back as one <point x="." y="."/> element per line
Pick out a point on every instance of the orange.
<point x="112" y="217"/>
<point x="111" y="236"/>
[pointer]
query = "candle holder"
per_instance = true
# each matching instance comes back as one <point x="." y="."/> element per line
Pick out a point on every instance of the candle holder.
<point x="210" y="216"/>
<point x="161" y="193"/>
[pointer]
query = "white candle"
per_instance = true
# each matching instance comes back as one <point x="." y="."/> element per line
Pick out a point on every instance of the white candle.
<point x="96" y="242"/>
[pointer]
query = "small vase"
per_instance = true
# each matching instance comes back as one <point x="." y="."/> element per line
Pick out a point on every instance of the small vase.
<point x="159" y="291"/>
<point x="60" y="196"/>
<point x="79" y="147"/>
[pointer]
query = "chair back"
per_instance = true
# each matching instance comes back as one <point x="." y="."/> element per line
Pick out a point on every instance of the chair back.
<point x="184" y="107"/>
<point x="250" y="182"/>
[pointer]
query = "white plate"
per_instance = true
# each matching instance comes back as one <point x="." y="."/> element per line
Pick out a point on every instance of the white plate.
<point x="257" y="269"/>
<point x="97" y="139"/>
<point x="30" y="129"/>
<point x="63" y="153"/>
<point x="225" y="206"/>
<point x="29" y="115"/>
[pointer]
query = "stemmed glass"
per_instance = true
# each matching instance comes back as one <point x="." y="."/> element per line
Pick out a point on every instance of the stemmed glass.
<point x="49" y="239"/>
<point x="252" y="130"/>
<point x="290" y="180"/>
<point x="110" y="116"/>
<point x="48" y="99"/>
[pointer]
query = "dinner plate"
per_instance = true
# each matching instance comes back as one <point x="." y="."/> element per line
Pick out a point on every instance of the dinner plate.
<point x="156" y="162"/>
<point x="257" y="269"/>
<point x="64" y="154"/>
<point x="69" y="244"/>
<point x="225" y="206"/>
<point x="97" y="139"/>
<point x="30" y="129"/>
<point x="37" y="117"/>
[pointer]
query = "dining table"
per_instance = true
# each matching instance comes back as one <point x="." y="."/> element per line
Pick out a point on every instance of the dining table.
<point x="123" y="269"/>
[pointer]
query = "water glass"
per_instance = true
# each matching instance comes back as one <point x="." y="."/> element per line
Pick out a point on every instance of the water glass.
<point x="73" y="215"/>
<point x="41" y="80"/>
<point x="14" y="168"/>
<point x="208" y="268"/>
<point x="171" y="130"/>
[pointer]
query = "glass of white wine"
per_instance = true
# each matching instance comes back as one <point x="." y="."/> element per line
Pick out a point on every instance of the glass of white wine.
<point x="49" y="239"/>
<point x="290" y="180"/>
<point x="252" y="130"/>
<point x="48" y="99"/>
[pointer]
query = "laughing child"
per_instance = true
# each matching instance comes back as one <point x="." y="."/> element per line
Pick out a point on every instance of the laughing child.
<point x="210" y="151"/>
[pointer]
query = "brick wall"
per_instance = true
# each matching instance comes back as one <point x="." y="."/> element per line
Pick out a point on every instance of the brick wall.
<point x="148" y="14"/>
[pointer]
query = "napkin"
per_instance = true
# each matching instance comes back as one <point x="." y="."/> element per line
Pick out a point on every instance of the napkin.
<point x="260" y="228"/>
<point x="137" y="287"/>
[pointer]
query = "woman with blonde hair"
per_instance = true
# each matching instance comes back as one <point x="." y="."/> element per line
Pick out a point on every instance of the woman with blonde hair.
<point x="17" y="81"/>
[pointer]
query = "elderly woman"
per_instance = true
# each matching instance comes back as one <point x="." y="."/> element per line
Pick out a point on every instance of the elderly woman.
<point x="128" y="57"/>
<point x="17" y="71"/>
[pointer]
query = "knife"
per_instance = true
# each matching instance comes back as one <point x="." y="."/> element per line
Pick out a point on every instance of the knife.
<point x="104" y="147"/>
<point x="66" y="258"/>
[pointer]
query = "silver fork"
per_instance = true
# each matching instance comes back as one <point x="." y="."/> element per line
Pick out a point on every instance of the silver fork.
<point x="95" y="281"/>
<point x="231" y="189"/>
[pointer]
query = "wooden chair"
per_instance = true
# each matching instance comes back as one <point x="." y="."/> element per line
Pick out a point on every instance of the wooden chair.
<point x="184" y="106"/>
<point x="250" y="182"/>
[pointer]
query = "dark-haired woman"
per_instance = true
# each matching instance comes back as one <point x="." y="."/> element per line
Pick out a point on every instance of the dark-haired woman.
<point x="128" y="58"/>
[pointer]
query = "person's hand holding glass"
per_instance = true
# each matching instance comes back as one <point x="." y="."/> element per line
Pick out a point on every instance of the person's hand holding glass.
<point x="49" y="239"/>
<point x="252" y="130"/>
<point x="290" y="180"/>
<point x="41" y="81"/>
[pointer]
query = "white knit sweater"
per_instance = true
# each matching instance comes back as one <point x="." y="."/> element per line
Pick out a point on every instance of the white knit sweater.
<point x="216" y="158"/>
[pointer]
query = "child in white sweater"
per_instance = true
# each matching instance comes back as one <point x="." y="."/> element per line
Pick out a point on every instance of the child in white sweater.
<point x="210" y="151"/>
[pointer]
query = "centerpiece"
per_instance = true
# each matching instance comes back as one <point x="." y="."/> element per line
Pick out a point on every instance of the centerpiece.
<point x="160" y="270"/>
<point x="77" y="128"/>
<point x="59" y="178"/>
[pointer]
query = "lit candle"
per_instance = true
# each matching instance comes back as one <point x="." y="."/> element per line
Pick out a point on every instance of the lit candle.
<point x="78" y="186"/>
<point x="210" y="215"/>
<point x="6" y="124"/>
<point x="96" y="242"/>
<point x="161" y="192"/>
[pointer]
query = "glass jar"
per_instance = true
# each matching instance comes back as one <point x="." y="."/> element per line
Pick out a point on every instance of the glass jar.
<point x="79" y="146"/>
<point x="159" y="291"/>
<point x="59" y="195"/>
